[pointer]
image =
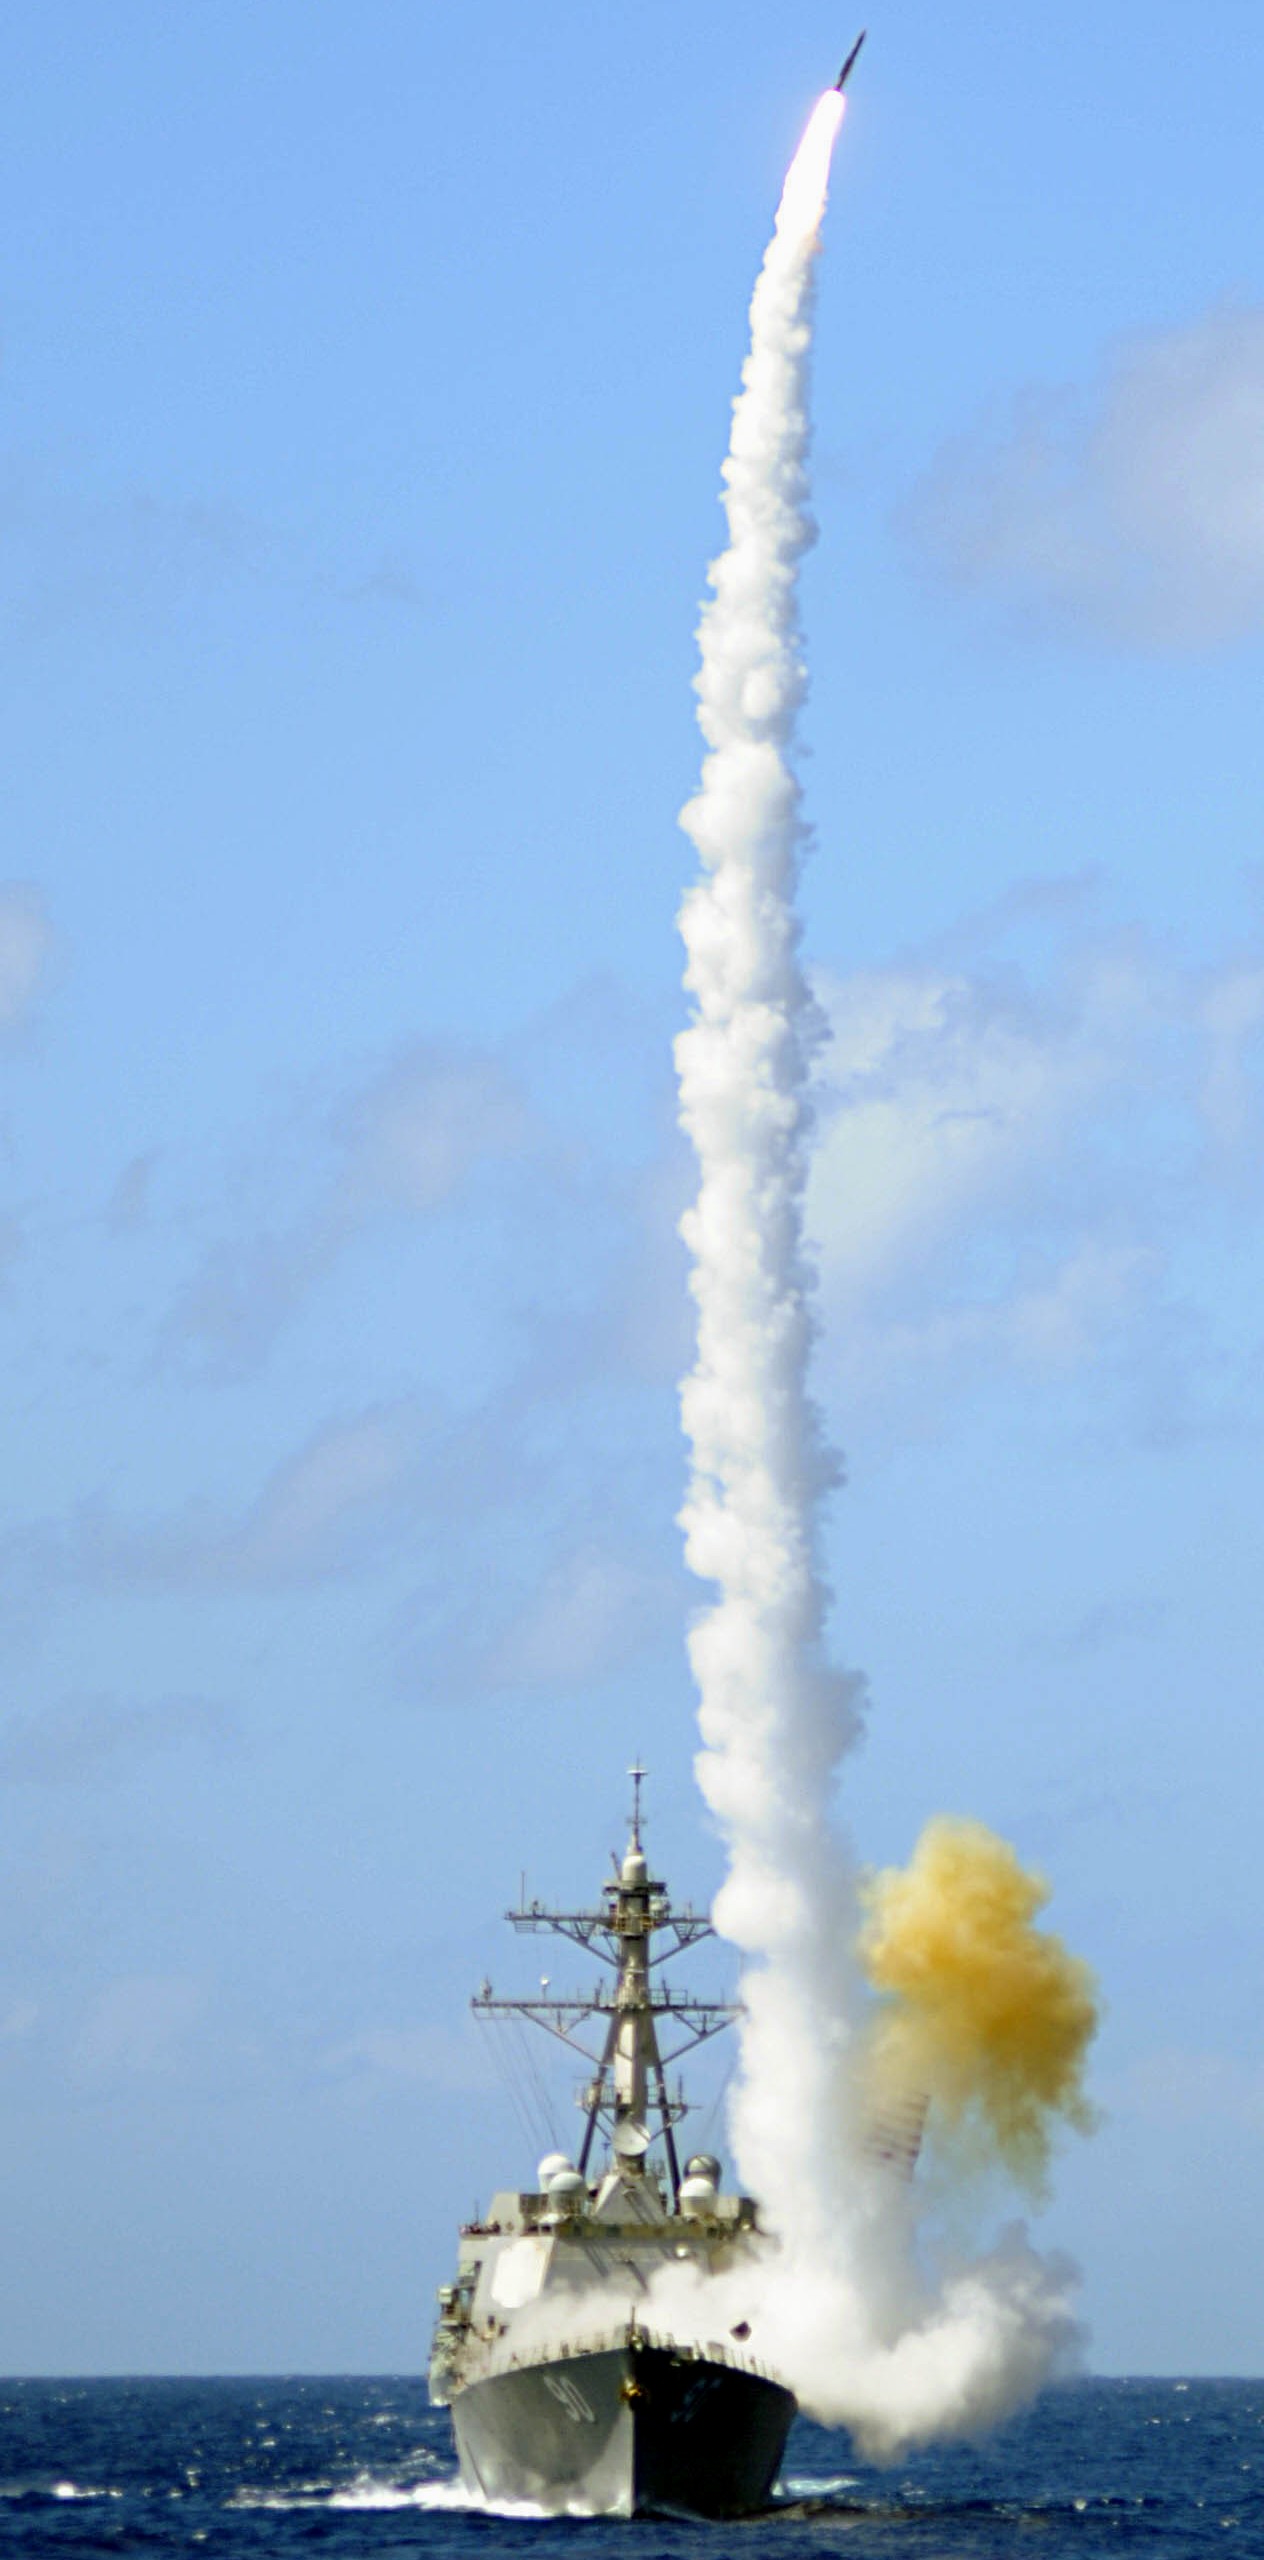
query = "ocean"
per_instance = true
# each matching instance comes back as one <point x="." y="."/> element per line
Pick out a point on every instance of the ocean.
<point x="308" y="2466"/>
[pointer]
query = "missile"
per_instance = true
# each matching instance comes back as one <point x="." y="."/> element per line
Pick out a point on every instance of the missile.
<point x="849" y="64"/>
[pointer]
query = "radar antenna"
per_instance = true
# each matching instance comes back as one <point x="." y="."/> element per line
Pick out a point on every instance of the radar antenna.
<point x="627" y="2087"/>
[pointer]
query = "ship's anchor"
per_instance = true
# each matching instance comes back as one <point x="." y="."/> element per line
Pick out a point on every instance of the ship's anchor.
<point x="632" y="2388"/>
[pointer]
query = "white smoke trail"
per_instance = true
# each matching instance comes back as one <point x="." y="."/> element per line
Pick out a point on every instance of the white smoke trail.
<point x="775" y="1718"/>
<point x="845" y="2315"/>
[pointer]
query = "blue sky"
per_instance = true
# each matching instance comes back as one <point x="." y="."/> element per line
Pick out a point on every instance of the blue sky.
<point x="364" y="378"/>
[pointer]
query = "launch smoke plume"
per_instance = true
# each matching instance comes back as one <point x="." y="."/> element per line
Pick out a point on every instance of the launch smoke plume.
<point x="988" y="2015"/>
<point x="843" y="2312"/>
<point x="774" y="1717"/>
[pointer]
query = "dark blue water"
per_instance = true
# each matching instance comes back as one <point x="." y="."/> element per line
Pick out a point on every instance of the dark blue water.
<point x="237" y="2468"/>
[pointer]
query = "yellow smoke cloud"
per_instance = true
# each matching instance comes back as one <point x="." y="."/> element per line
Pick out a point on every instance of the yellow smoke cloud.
<point x="981" y="2011"/>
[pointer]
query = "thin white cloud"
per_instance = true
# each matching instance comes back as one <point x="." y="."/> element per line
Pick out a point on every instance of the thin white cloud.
<point x="477" y="1507"/>
<point x="330" y="1506"/>
<point x="404" y="1144"/>
<point x="1233" y="1016"/>
<point x="127" y="1208"/>
<point x="401" y="1478"/>
<point x="26" y="945"/>
<point x="1179" y="2086"/>
<point x="1123" y="1619"/>
<point x="414" y="1133"/>
<point x="1059" y="1323"/>
<point x="439" y="2057"/>
<point x="1020" y="1131"/>
<point x="1007" y="1158"/>
<point x="318" y="1507"/>
<point x="1133" y="509"/>
<point x="939" y="1089"/>
<point x="12" y="1243"/>
<point x="595" y="1608"/>
<point x="133" y="557"/>
<point x="85" y="1741"/>
<point x="139" y="2024"/>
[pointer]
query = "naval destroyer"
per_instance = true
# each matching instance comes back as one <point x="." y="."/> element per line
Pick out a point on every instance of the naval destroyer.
<point x="569" y="2389"/>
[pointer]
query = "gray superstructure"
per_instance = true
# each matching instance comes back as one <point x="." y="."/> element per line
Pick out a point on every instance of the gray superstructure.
<point x="593" y="2349"/>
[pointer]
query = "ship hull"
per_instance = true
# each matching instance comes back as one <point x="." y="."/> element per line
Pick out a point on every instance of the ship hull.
<point x="628" y="2430"/>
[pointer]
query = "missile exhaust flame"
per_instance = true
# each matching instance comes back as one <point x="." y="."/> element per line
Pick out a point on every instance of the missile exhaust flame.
<point x="806" y="187"/>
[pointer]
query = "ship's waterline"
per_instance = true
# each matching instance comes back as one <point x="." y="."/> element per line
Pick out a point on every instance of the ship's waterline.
<point x="638" y="2427"/>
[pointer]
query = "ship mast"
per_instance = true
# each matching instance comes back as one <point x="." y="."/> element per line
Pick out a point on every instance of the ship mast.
<point x="628" y="2088"/>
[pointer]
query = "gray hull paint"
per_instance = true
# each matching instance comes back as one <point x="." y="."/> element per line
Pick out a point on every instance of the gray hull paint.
<point x="628" y="2430"/>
